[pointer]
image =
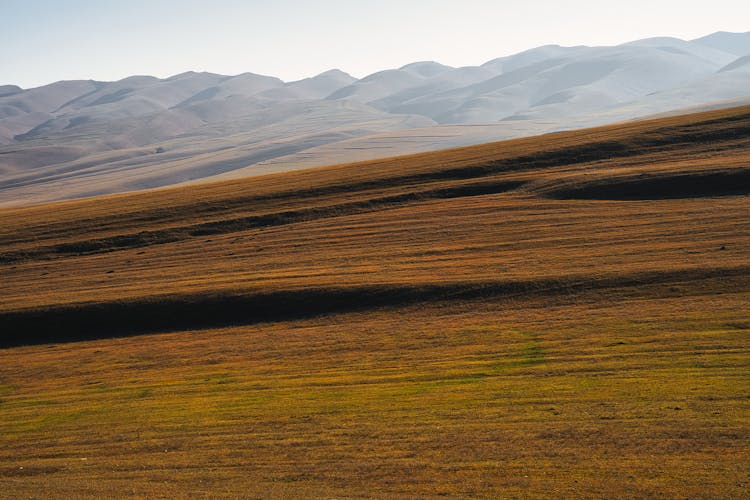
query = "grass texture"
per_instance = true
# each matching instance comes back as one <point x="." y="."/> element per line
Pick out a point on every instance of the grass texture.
<point x="561" y="316"/>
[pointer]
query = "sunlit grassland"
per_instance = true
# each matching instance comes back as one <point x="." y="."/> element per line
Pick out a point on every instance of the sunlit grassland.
<point x="569" y="397"/>
<point x="565" y="316"/>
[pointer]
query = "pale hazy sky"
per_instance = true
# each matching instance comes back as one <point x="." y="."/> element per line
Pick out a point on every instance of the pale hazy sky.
<point x="42" y="41"/>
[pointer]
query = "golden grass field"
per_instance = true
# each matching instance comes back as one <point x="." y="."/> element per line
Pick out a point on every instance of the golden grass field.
<point x="559" y="316"/>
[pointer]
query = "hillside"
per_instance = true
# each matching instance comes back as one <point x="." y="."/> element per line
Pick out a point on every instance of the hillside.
<point x="563" y="315"/>
<point x="76" y="139"/>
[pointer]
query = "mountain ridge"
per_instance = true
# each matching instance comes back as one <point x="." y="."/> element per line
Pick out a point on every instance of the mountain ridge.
<point x="143" y="131"/>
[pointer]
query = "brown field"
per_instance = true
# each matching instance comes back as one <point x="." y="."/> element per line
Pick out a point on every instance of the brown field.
<point x="560" y="316"/>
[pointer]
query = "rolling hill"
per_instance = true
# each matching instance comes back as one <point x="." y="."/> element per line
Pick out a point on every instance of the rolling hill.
<point x="83" y="138"/>
<point x="563" y="315"/>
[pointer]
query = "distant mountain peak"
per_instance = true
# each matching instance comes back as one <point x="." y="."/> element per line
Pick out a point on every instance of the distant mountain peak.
<point x="6" y="90"/>
<point x="192" y="74"/>
<point x="733" y="43"/>
<point x="656" y="40"/>
<point x="426" y="69"/>
<point x="335" y="72"/>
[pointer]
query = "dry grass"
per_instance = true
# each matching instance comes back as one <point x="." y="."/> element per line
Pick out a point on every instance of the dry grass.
<point x="481" y="336"/>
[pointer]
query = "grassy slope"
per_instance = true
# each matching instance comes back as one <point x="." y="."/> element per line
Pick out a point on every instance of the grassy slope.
<point x="536" y="341"/>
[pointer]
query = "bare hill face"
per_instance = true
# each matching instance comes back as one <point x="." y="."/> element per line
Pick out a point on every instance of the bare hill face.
<point x="78" y="138"/>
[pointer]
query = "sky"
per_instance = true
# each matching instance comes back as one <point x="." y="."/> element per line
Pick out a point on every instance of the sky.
<point x="42" y="41"/>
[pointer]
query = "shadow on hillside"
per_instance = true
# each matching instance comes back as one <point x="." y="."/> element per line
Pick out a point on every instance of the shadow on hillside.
<point x="197" y="312"/>
<point x="702" y="185"/>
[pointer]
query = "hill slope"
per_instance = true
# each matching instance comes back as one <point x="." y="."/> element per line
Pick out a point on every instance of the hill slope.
<point x="562" y="315"/>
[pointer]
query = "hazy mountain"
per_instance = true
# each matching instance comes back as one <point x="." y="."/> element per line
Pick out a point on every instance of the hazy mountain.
<point x="522" y="59"/>
<point x="22" y="111"/>
<point x="379" y="85"/>
<point x="429" y="90"/>
<point x="316" y="87"/>
<point x="584" y="81"/>
<point x="733" y="43"/>
<point x="728" y="83"/>
<point x="742" y="62"/>
<point x="705" y="52"/>
<point x="77" y="138"/>
<point x="244" y="85"/>
<point x="6" y="90"/>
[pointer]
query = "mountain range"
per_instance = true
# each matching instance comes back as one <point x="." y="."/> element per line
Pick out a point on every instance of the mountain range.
<point x="74" y="139"/>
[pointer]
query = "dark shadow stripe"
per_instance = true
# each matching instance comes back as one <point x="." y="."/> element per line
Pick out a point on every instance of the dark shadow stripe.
<point x="196" y="312"/>
<point x="701" y="185"/>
